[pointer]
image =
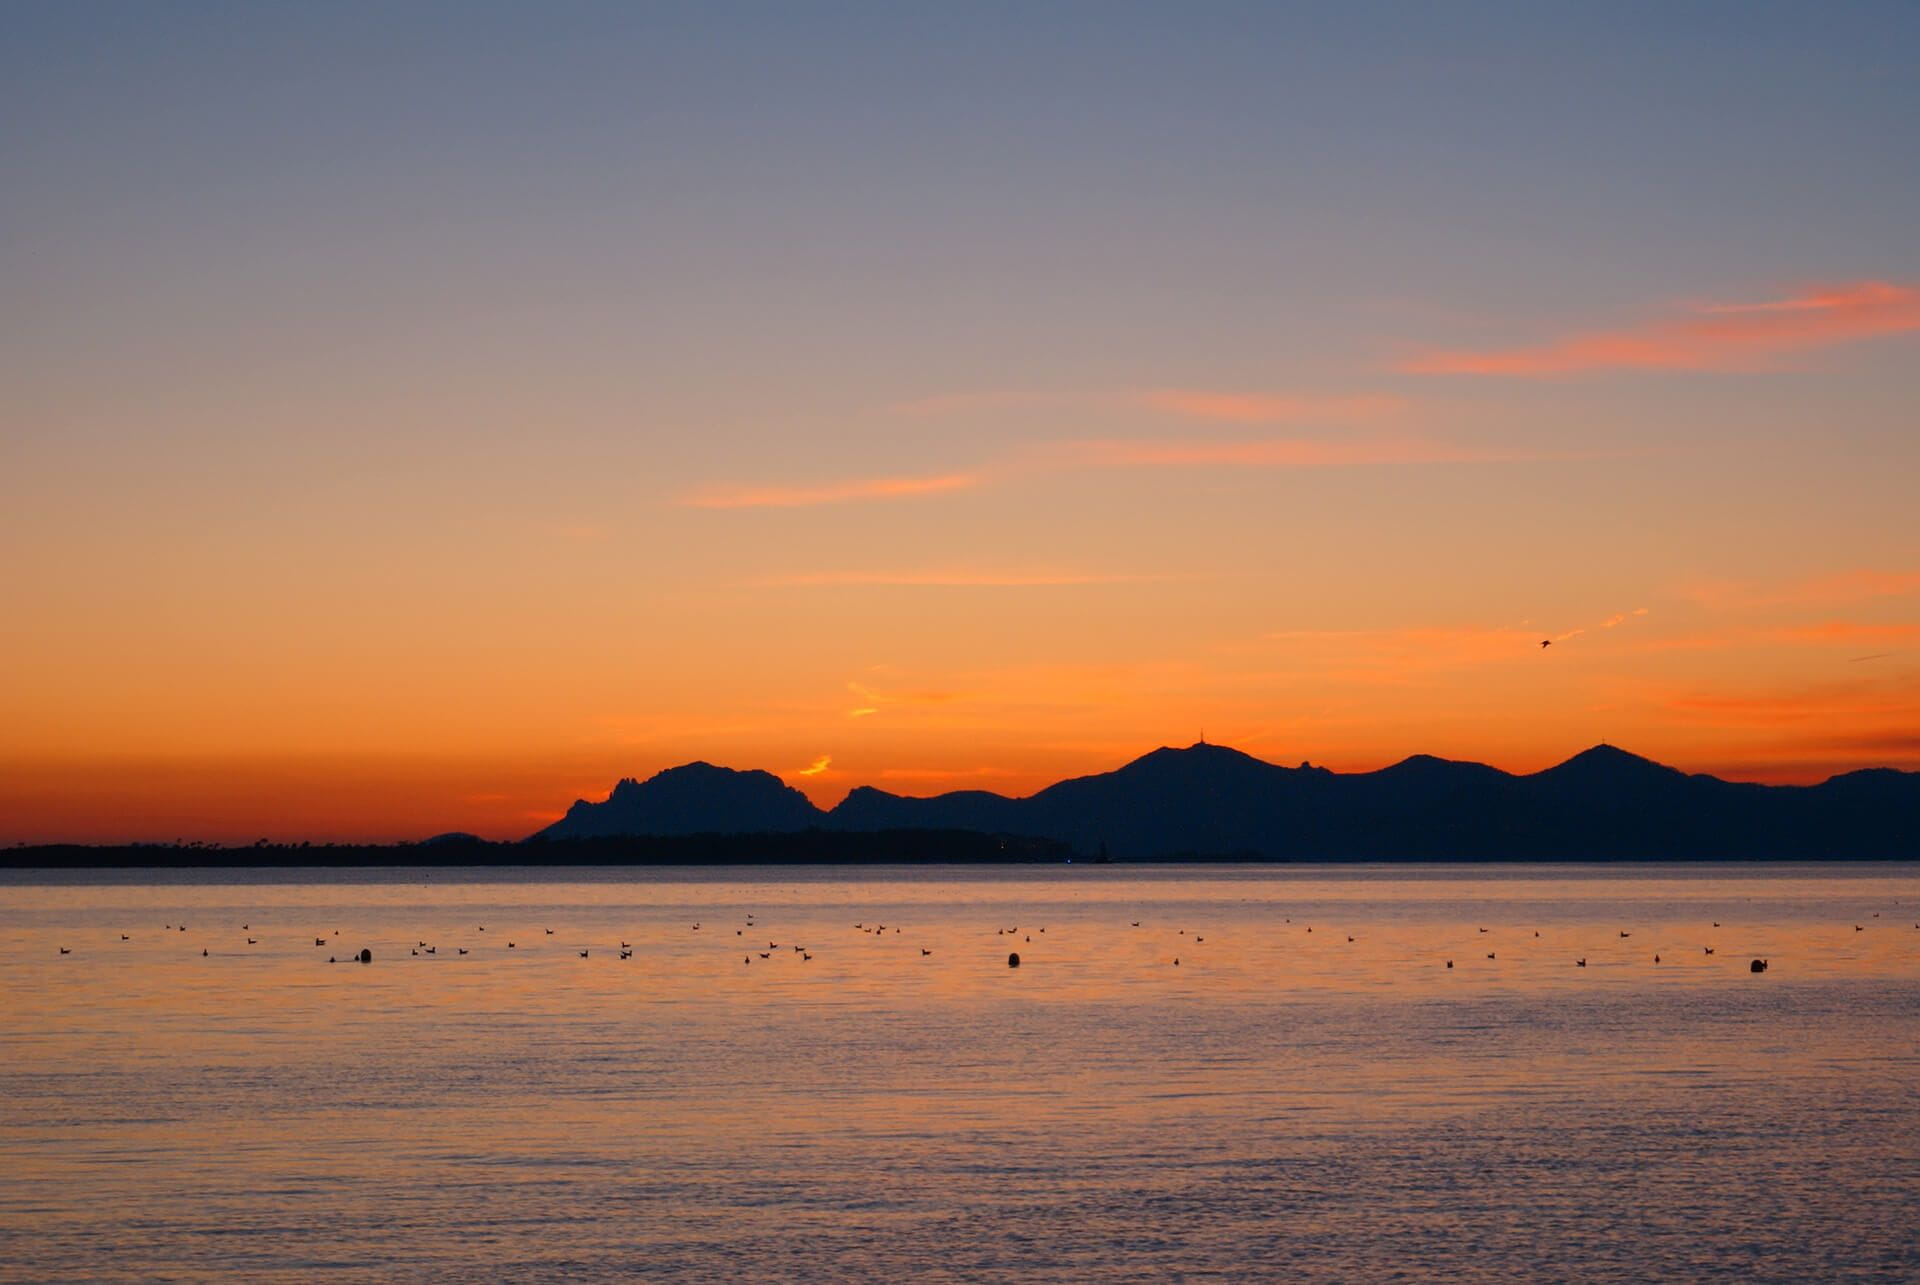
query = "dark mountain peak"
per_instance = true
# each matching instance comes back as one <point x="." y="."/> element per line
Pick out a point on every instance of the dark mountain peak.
<point x="694" y="774"/>
<point x="1428" y="767"/>
<point x="1606" y="762"/>
<point x="1196" y="758"/>
<point x="1423" y="762"/>
<point x="694" y="798"/>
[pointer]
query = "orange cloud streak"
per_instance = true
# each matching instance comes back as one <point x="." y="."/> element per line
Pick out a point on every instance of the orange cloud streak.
<point x="946" y="579"/>
<point x="1713" y="337"/>
<point x="1186" y="403"/>
<point x="1271" y="452"/>
<point x="1840" y="587"/>
<point x="1265" y="408"/>
<point x="788" y="497"/>
<point x="1850" y="633"/>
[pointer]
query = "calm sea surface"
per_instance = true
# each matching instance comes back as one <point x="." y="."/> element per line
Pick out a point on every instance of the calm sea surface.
<point x="1333" y="1103"/>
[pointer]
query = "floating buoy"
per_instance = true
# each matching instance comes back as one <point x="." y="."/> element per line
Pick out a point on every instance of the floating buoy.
<point x="1013" y="960"/>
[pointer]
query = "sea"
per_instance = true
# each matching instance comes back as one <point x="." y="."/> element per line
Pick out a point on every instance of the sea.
<point x="1357" y="1073"/>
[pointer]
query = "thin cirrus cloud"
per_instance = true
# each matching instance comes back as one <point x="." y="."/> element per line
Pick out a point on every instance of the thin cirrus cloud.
<point x="1863" y="584"/>
<point x="1122" y="453"/>
<point x="1270" y="408"/>
<point x="1849" y="633"/>
<point x="1272" y="452"/>
<point x="840" y="492"/>
<point x="948" y="578"/>
<point x="1178" y="403"/>
<point x="1714" y="336"/>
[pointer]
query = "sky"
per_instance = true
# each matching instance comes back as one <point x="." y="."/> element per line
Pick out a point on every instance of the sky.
<point x="416" y="417"/>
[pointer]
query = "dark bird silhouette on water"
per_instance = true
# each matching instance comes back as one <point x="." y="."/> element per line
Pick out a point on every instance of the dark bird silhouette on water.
<point x="583" y="954"/>
<point x="1581" y="962"/>
<point x="925" y="951"/>
<point x="65" y="951"/>
<point x="1546" y="642"/>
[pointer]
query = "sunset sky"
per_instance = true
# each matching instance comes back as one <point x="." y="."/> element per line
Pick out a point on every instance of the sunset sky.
<point x="419" y="416"/>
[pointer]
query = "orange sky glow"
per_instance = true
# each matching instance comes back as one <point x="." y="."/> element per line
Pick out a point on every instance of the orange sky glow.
<point x="877" y="407"/>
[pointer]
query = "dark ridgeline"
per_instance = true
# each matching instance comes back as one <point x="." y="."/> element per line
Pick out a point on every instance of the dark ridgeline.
<point x="1210" y="801"/>
<point x="698" y="798"/>
<point x="1203" y="802"/>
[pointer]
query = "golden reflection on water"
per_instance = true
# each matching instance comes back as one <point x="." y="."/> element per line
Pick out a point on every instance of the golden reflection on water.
<point x="260" y="1108"/>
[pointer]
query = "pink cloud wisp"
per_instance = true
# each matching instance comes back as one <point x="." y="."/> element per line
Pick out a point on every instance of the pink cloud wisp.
<point x="1710" y="337"/>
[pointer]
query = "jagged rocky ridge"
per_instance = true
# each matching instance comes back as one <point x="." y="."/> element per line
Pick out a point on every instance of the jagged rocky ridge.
<point x="1208" y="800"/>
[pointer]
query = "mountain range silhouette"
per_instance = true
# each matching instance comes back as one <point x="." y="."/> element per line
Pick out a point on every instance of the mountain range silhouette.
<point x="1209" y="800"/>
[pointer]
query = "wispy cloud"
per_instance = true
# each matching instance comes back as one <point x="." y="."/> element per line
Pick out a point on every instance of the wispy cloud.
<point x="1264" y="452"/>
<point x="1363" y="653"/>
<point x="789" y="497"/>
<point x="1714" y="336"/>
<point x="948" y="578"/>
<point x="1126" y="453"/>
<point x="820" y="765"/>
<point x="1844" y="703"/>
<point x="1270" y="408"/>
<point x="1850" y="633"/>
<point x="1837" y="588"/>
<point x="1238" y="406"/>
